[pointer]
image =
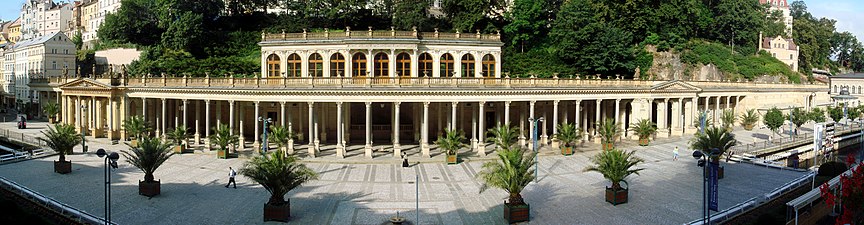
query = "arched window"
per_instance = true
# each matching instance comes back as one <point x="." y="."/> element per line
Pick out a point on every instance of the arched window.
<point x="316" y="65"/>
<point x="337" y="65"/>
<point x="403" y="65"/>
<point x="382" y="64"/>
<point x="358" y="65"/>
<point x="467" y="65"/>
<point x="447" y="65"/>
<point x="425" y="65"/>
<point x="859" y="89"/>
<point x="835" y="88"/>
<point x="273" y="65"/>
<point x="488" y="65"/>
<point x="294" y="65"/>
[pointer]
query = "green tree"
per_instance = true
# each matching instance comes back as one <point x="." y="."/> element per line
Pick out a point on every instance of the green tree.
<point x="451" y="142"/>
<point x="51" y="110"/>
<point x="136" y="21"/>
<point x="470" y="15"/>
<point x="798" y="117"/>
<point x="503" y="136"/>
<point x="184" y="33"/>
<point x="589" y="44"/>
<point x="278" y="174"/>
<point x="222" y="137"/>
<point x="836" y="113"/>
<point x="136" y="127"/>
<point x="813" y="37"/>
<point x="739" y="22"/>
<point x="773" y="119"/>
<point x="528" y="23"/>
<point x="511" y="172"/>
<point x="148" y="156"/>
<point x="817" y="115"/>
<point x="714" y="137"/>
<point x="61" y="138"/>
<point x="615" y="165"/>
<point x="409" y="14"/>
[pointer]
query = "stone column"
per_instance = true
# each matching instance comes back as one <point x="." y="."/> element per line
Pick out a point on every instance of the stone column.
<point x="144" y="108"/>
<point x="164" y="111"/>
<point x="311" y="136"/>
<point x="727" y="102"/>
<point x="424" y="134"/>
<point x="112" y="105"/>
<point x="340" y="148"/>
<point x="206" y="118"/>
<point x="531" y="124"/>
<point x="688" y="115"/>
<point x="597" y="118"/>
<point x="397" y="149"/>
<point x="95" y="118"/>
<point x="453" y="115"/>
<point x="663" y="118"/>
<point x="577" y="119"/>
<point x="282" y="113"/>
<point x="481" y="144"/>
<point x="231" y="115"/>
<point x="676" y="117"/>
<point x="717" y="112"/>
<point x="256" y="143"/>
<point x="506" y="112"/>
<point x="618" y="119"/>
<point x="555" y="123"/>
<point x="124" y="115"/>
<point x="368" y="146"/>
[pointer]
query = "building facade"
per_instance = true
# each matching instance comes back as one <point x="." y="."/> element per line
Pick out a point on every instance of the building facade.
<point x="853" y="82"/>
<point x="14" y="33"/>
<point x="356" y="92"/>
<point x="781" y="6"/>
<point x="89" y="9"/>
<point x="783" y="49"/>
<point x="46" y="56"/>
<point x="43" y="17"/>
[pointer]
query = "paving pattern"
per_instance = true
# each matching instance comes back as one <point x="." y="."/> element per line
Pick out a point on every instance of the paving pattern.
<point x="193" y="192"/>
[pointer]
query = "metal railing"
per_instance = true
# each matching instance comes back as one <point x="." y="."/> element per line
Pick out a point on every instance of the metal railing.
<point x="49" y="203"/>
<point x="379" y="34"/>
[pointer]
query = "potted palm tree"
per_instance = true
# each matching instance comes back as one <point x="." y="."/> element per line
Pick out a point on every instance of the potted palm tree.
<point x="749" y="119"/>
<point x="136" y="127"/>
<point x="728" y="119"/>
<point x="616" y="165"/>
<point x="51" y="109"/>
<point x="279" y="174"/>
<point x="280" y="136"/>
<point x="503" y="135"/>
<point x="714" y="137"/>
<point x="62" y="139"/>
<point x="568" y="135"/>
<point x="697" y="119"/>
<point x="511" y="172"/>
<point x="222" y="137"/>
<point x="644" y="128"/>
<point x="451" y="142"/>
<point x="179" y="135"/>
<point x="609" y="131"/>
<point x="148" y="156"/>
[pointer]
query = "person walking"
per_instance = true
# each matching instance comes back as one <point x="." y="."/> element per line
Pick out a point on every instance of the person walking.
<point x="675" y="154"/>
<point x="231" y="174"/>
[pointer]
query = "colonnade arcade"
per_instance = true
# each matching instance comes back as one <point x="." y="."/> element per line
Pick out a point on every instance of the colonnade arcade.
<point x="343" y="128"/>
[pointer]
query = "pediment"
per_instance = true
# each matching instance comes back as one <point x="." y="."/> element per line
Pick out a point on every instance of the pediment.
<point x="84" y="83"/>
<point x="675" y="85"/>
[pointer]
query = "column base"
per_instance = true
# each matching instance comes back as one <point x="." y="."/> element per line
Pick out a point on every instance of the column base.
<point x="544" y="140"/>
<point x="242" y="142"/>
<point x="690" y="130"/>
<point x="290" y="147"/>
<point x="317" y="145"/>
<point x="474" y="144"/>
<point x="555" y="143"/>
<point x="112" y="135"/>
<point x="424" y="149"/>
<point x="522" y="140"/>
<point x="664" y="133"/>
<point x="397" y="151"/>
<point x="97" y="133"/>
<point x="340" y="151"/>
<point x="677" y="132"/>
<point x="368" y="151"/>
<point x="123" y="135"/>
<point x="311" y="150"/>
<point x="256" y="145"/>
<point x="197" y="139"/>
<point x="158" y="134"/>
<point x="481" y="150"/>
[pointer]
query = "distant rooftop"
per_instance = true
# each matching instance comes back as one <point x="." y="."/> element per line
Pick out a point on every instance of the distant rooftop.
<point x="850" y="75"/>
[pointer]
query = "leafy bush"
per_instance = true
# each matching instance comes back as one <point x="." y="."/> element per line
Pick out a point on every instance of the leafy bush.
<point x="747" y="66"/>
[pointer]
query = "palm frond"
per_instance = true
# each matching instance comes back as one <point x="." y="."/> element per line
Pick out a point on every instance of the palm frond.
<point x="222" y="136"/>
<point x="609" y="130"/>
<point x="451" y="141"/>
<point x="513" y="170"/>
<point x="61" y="138"/>
<point x="503" y="135"/>
<point x="148" y="156"/>
<point x="644" y="128"/>
<point x="714" y="137"/>
<point x="137" y="127"/>
<point x="569" y="134"/>
<point x="615" y="165"/>
<point x="278" y="174"/>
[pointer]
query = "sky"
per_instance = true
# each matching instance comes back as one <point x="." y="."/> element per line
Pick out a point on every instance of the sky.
<point x="847" y="13"/>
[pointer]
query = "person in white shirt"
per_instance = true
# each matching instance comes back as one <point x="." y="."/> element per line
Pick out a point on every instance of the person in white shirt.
<point x="231" y="174"/>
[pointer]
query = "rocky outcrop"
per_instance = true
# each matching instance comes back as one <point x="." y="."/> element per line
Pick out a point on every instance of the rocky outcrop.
<point x="668" y="66"/>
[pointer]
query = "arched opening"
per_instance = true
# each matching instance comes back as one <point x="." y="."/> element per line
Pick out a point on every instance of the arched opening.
<point x="403" y="65"/>
<point x="447" y="65"/>
<point x="488" y="65"/>
<point x="337" y="65"/>
<point x="316" y="65"/>
<point x="273" y="63"/>
<point x="358" y="65"/>
<point x="425" y="66"/>
<point x="382" y="64"/>
<point x="294" y="65"/>
<point x="467" y="65"/>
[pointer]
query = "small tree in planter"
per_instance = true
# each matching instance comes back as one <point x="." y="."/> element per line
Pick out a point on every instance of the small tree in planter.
<point x="798" y="117"/>
<point x="280" y="136"/>
<point x="749" y="119"/>
<point x="836" y="113"/>
<point x="616" y="165"/>
<point x="773" y="120"/>
<point x="222" y="137"/>
<point x="178" y="135"/>
<point x="714" y="137"/>
<point x="503" y="136"/>
<point x="609" y="131"/>
<point x="568" y="135"/>
<point x="51" y="109"/>
<point x="728" y="119"/>
<point x="511" y="172"/>
<point x="817" y="115"/>
<point x="278" y="174"/>
<point x="61" y="138"/>
<point x="148" y="156"/>
<point x="644" y="128"/>
<point x="451" y="142"/>
<point x="697" y="119"/>
<point x="136" y="127"/>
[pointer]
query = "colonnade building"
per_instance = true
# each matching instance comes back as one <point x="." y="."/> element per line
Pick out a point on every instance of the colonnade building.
<point x="355" y="92"/>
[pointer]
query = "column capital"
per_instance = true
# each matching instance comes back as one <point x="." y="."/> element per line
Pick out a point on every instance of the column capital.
<point x="282" y="103"/>
<point x="532" y="102"/>
<point x="337" y="103"/>
<point x="482" y="103"/>
<point x="257" y="103"/>
<point x="556" y="102"/>
<point x="206" y="101"/>
<point x="311" y="104"/>
<point x="164" y="100"/>
<point x="397" y="103"/>
<point x="577" y="101"/>
<point x="454" y="103"/>
<point x="231" y="102"/>
<point x="368" y="104"/>
<point x="618" y="100"/>
<point x="665" y="100"/>
<point x="426" y="104"/>
<point x="507" y="102"/>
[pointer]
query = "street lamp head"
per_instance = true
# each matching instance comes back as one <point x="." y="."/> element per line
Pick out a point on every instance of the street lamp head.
<point x="697" y="154"/>
<point x="715" y="151"/>
<point x="101" y="153"/>
<point x="541" y="119"/>
<point x="114" y="156"/>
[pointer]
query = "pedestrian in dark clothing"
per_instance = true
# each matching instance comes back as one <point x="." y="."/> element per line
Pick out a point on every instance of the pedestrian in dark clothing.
<point x="404" y="160"/>
<point x="231" y="175"/>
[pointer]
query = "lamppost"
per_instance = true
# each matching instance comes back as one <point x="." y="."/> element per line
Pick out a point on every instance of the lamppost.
<point x="83" y="130"/>
<point x="703" y="162"/>
<point x="110" y="160"/>
<point x="536" y="158"/>
<point x="844" y="97"/>
<point x="264" y="145"/>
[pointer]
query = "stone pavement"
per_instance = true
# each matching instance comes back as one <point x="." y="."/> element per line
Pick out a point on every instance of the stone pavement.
<point x="666" y="192"/>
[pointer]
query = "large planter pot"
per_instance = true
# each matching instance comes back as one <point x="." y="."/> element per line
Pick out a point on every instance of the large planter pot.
<point x="644" y="141"/>
<point x="452" y="159"/>
<point x="567" y="150"/>
<point x="52" y="120"/>
<point x="133" y="143"/>
<point x="179" y="149"/>
<point x="748" y="126"/>
<point x="516" y="213"/>
<point x="616" y="197"/>
<point x="63" y="167"/>
<point x="608" y="146"/>
<point x="280" y="213"/>
<point x="149" y="189"/>
<point x="222" y="154"/>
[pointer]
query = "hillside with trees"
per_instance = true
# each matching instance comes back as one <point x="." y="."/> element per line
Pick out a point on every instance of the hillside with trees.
<point x="542" y="37"/>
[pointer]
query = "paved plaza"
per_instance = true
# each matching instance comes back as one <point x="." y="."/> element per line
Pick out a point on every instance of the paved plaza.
<point x="193" y="192"/>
